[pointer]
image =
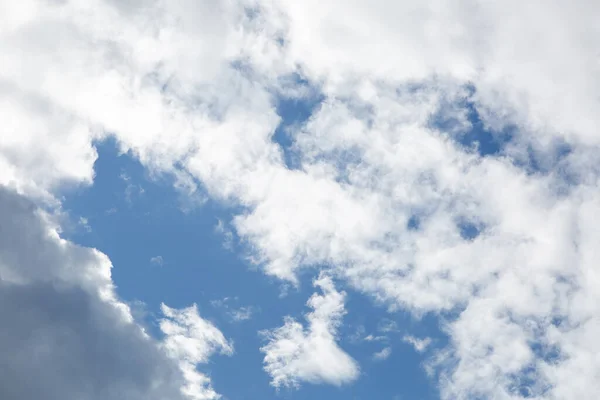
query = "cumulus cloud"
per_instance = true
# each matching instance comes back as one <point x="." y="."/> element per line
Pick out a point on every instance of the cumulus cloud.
<point x="67" y="335"/>
<point x="385" y="184"/>
<point x="297" y="354"/>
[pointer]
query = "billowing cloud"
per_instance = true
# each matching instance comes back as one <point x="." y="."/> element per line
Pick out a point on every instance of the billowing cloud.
<point x="65" y="333"/>
<point x="389" y="195"/>
<point x="297" y="354"/>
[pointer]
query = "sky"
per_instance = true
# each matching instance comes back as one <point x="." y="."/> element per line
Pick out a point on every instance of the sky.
<point x="270" y="199"/>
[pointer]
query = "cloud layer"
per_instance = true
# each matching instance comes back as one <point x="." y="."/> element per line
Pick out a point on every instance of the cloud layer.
<point x="387" y="197"/>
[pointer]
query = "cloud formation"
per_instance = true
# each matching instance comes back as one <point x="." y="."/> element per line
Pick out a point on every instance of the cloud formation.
<point x="295" y="354"/>
<point x="67" y="335"/>
<point x="386" y="184"/>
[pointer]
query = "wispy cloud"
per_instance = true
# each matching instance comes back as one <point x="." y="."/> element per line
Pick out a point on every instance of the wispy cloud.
<point x="420" y="345"/>
<point x="242" y="314"/>
<point x="85" y="224"/>
<point x="157" y="260"/>
<point x="382" y="355"/>
<point x="222" y="229"/>
<point x="372" y="338"/>
<point x="235" y="312"/>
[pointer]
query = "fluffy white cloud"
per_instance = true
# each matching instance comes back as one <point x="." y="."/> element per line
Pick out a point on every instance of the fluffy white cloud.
<point x="297" y="354"/>
<point x="192" y="340"/>
<point x="535" y="65"/>
<point x="188" y="88"/>
<point x="66" y="335"/>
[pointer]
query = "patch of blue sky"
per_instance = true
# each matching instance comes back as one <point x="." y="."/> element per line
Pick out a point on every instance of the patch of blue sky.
<point x="369" y="330"/>
<point x="469" y="230"/>
<point x="294" y="110"/>
<point x="463" y="122"/>
<point x="465" y="125"/>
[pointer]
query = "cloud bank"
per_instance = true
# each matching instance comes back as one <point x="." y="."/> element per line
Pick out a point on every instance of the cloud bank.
<point x="389" y="196"/>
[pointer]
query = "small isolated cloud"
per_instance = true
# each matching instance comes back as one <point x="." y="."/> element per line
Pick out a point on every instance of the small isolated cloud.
<point x="284" y="290"/>
<point x="297" y="354"/>
<point x="420" y="345"/>
<point x="242" y="314"/>
<point x="219" y="302"/>
<point x="131" y="190"/>
<point x="387" y="325"/>
<point x="191" y="340"/>
<point x="158" y="260"/>
<point x="372" y="338"/>
<point x="237" y="314"/>
<point x="111" y="211"/>
<point x="384" y="354"/>
<point x="85" y="224"/>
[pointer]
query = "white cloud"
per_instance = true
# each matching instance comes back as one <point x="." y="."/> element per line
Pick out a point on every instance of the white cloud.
<point x="85" y="224"/>
<point x="420" y="345"/>
<point x="382" y="355"/>
<point x="371" y="338"/>
<point x="296" y="354"/>
<point x="235" y="313"/>
<point x="242" y="314"/>
<point x="159" y="77"/>
<point x="191" y="340"/>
